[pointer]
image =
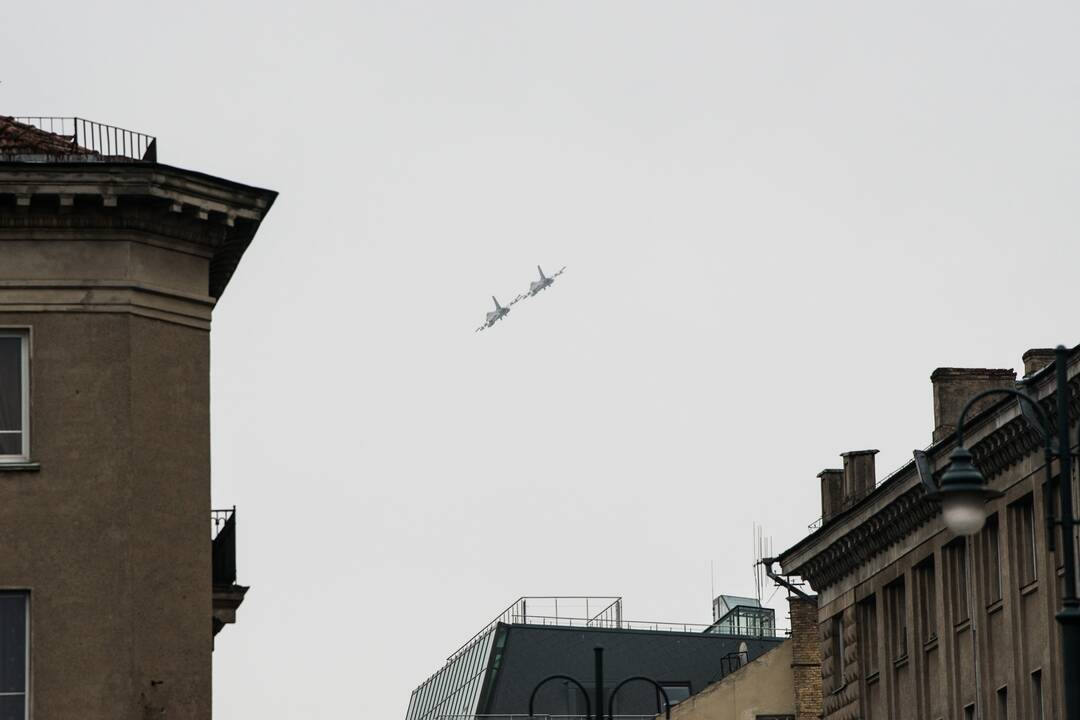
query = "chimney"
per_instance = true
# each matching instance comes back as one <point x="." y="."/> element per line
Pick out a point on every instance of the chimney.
<point x="832" y="493"/>
<point x="955" y="386"/>
<point x="859" y="475"/>
<point x="1036" y="359"/>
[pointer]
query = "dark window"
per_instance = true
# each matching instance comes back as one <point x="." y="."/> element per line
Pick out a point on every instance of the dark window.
<point x="837" y="640"/>
<point x="1023" y="540"/>
<point x="1003" y="703"/>
<point x="992" y="559"/>
<point x="896" y="613"/>
<point x="13" y="395"/>
<point x="1052" y="500"/>
<point x="13" y="656"/>
<point x="927" y="595"/>
<point x="867" y="638"/>
<point x="1037" y="695"/>
<point x="969" y="712"/>
<point x="676" y="693"/>
<point x="955" y="554"/>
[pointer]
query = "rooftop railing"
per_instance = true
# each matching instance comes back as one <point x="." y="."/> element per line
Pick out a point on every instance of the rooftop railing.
<point x="577" y="611"/>
<point x="108" y="142"/>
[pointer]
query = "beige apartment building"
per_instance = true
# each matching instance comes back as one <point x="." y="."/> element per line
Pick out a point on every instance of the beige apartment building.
<point x="111" y="588"/>
<point x="781" y="684"/>
<point x="917" y="623"/>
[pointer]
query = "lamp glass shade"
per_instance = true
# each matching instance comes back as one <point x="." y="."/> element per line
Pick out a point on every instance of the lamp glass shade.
<point x="964" y="512"/>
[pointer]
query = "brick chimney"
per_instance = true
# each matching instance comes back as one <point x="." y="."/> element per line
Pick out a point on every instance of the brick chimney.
<point x="806" y="657"/>
<point x="1036" y="359"/>
<point x="954" y="386"/>
<point x="832" y="492"/>
<point x="859" y="475"/>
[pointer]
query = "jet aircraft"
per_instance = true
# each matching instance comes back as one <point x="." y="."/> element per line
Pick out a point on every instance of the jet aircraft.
<point x="495" y="315"/>
<point x="542" y="284"/>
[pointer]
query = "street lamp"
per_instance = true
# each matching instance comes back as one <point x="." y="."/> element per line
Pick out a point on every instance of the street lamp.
<point x="597" y="712"/>
<point x="963" y="493"/>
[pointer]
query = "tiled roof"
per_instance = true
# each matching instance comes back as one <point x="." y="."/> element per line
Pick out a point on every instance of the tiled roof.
<point x="18" y="138"/>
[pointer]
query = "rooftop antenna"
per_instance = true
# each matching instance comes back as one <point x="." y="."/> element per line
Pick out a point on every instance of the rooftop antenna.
<point x="763" y="547"/>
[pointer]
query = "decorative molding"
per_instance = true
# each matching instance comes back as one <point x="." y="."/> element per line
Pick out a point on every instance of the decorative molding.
<point x="993" y="455"/>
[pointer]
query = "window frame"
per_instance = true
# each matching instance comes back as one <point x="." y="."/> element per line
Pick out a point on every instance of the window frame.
<point x="957" y="571"/>
<point x="25" y="595"/>
<point x="896" y="619"/>
<point x="1024" y="543"/>
<point x="991" y="552"/>
<point x="672" y="685"/>
<point x="23" y="334"/>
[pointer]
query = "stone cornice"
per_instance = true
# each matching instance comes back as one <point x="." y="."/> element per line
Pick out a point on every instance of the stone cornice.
<point x="850" y="541"/>
<point x="216" y="214"/>
<point x="109" y="297"/>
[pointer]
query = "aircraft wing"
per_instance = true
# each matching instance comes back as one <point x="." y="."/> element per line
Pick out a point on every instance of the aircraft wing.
<point x="518" y="299"/>
<point x="560" y="272"/>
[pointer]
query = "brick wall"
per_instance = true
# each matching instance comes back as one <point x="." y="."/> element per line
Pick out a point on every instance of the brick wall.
<point x="806" y="657"/>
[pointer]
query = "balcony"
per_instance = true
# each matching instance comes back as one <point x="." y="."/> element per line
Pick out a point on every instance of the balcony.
<point x="227" y="594"/>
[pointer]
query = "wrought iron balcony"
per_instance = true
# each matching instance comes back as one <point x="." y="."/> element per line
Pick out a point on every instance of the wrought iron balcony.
<point x="223" y="536"/>
<point x="227" y="594"/>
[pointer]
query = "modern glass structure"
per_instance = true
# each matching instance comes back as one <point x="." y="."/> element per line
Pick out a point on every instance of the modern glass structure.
<point x="496" y="670"/>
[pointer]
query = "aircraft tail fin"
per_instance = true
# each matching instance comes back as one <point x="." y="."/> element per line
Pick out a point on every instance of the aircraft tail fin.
<point x="542" y="276"/>
<point x="497" y="305"/>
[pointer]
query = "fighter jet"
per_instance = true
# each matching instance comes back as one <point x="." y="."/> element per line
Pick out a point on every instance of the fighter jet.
<point x="542" y="284"/>
<point x="495" y="315"/>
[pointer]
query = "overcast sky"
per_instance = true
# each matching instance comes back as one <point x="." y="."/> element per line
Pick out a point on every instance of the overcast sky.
<point x="778" y="218"/>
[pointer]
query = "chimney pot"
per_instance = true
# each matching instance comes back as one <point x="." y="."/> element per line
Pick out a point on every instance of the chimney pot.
<point x="1036" y="359"/>
<point x="859" y="475"/>
<point x="953" y="387"/>
<point x="832" y="492"/>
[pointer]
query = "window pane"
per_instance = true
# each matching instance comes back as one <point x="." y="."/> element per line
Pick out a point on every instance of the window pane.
<point x="12" y="644"/>
<point x="10" y="383"/>
<point x="10" y="443"/>
<point x="12" y="707"/>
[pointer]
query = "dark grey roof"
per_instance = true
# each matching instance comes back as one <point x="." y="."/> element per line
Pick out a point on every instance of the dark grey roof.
<point x="531" y="652"/>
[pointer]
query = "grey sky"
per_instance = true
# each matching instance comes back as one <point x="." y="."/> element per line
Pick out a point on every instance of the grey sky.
<point x="778" y="219"/>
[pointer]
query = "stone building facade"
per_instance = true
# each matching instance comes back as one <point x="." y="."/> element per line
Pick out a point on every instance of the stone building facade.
<point x="111" y="263"/>
<point x="917" y="623"/>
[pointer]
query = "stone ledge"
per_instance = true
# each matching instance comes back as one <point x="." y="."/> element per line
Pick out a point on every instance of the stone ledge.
<point x="22" y="466"/>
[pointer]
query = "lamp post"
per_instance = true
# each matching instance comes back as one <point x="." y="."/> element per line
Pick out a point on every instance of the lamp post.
<point x="597" y="712"/>
<point x="963" y="493"/>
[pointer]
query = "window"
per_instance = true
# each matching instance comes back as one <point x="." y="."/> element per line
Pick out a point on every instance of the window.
<point x="969" y="712"/>
<point x="14" y="395"/>
<point x="1037" y="695"/>
<point x="867" y="634"/>
<point x="1003" y="703"/>
<point x="1052" y="500"/>
<point x="955" y="554"/>
<point x="896" y="612"/>
<point x="13" y="655"/>
<point x="1023" y="540"/>
<point x="991" y="559"/>
<point x="676" y="693"/>
<point x="837" y="640"/>
<point x="927" y="594"/>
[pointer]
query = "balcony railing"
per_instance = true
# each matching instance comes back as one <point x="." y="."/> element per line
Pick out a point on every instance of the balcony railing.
<point x="104" y="142"/>
<point x="223" y="537"/>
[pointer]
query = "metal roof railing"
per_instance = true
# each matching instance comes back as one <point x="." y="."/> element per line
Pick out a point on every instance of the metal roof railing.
<point x="107" y="141"/>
